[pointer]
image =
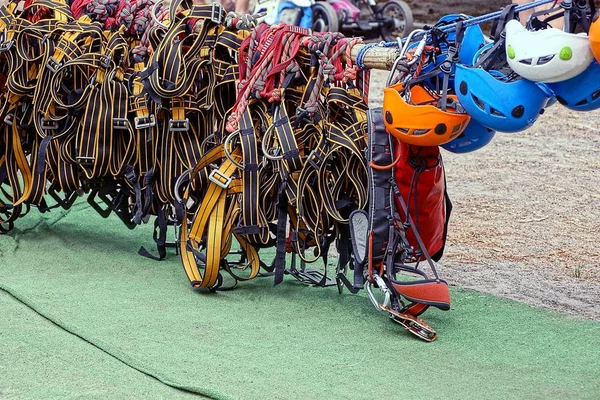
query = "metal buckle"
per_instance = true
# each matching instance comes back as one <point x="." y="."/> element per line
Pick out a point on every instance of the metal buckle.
<point x="53" y="65"/>
<point x="216" y="6"/>
<point x="105" y="61"/>
<point x="151" y="122"/>
<point x="85" y="160"/>
<point x="120" y="123"/>
<point x="5" y="46"/>
<point x="49" y="124"/>
<point x="174" y="122"/>
<point x="215" y="177"/>
<point x="8" y="120"/>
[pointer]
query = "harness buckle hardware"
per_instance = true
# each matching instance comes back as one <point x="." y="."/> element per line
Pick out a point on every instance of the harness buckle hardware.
<point x="5" y="46"/>
<point x="143" y="125"/>
<point x="53" y="65"/>
<point x="315" y="159"/>
<point x="216" y="10"/>
<point x="179" y="125"/>
<point x="105" y="61"/>
<point x="120" y="123"/>
<point x="8" y="120"/>
<point x="49" y="124"/>
<point x="85" y="160"/>
<point x="219" y="179"/>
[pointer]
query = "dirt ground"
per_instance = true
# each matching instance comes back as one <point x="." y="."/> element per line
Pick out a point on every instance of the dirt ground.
<point x="427" y="11"/>
<point x="526" y="218"/>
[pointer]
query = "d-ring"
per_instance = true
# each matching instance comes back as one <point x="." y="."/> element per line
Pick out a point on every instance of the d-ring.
<point x="266" y="153"/>
<point x="226" y="151"/>
<point x="205" y="141"/>
<point x="179" y="182"/>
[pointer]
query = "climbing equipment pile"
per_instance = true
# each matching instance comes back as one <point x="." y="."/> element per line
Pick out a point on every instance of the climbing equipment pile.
<point x="243" y="136"/>
<point x="102" y="97"/>
<point x="293" y="154"/>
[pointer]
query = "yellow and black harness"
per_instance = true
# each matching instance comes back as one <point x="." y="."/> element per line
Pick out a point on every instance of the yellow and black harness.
<point x="243" y="137"/>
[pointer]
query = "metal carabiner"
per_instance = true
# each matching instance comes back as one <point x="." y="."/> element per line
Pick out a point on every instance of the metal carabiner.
<point x="404" y="50"/>
<point x="153" y="15"/>
<point x="384" y="289"/>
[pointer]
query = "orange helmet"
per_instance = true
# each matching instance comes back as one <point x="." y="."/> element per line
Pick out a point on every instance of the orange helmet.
<point x="594" y="36"/>
<point x="419" y="121"/>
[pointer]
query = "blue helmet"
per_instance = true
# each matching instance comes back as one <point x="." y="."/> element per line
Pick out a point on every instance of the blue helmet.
<point x="498" y="103"/>
<point x="472" y="41"/>
<point x="474" y="137"/>
<point x="581" y="93"/>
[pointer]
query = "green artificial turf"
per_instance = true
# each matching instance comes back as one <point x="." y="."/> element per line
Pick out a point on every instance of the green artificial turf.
<point x="258" y="341"/>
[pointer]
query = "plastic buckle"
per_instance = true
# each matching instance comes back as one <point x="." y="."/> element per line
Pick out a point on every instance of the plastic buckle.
<point x="143" y="125"/>
<point x="130" y="175"/>
<point x="219" y="13"/>
<point x="120" y="123"/>
<point x="53" y="65"/>
<point x="174" y="125"/>
<point x="49" y="124"/>
<point x="6" y="46"/>
<point x="8" y="120"/>
<point x="217" y="177"/>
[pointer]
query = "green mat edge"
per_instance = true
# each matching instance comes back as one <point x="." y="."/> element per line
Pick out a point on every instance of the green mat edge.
<point x="125" y="358"/>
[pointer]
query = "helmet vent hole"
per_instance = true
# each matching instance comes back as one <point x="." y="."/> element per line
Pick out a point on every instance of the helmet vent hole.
<point x="518" y="111"/>
<point x="388" y="117"/>
<point x="582" y="102"/>
<point x="496" y="113"/>
<point x="464" y="88"/>
<point x="526" y="61"/>
<point x="479" y="103"/>
<point x="561" y="100"/>
<point x="419" y="132"/>
<point x="403" y="130"/>
<point x="456" y="129"/>
<point x="596" y="94"/>
<point x="441" y="129"/>
<point x="544" y="60"/>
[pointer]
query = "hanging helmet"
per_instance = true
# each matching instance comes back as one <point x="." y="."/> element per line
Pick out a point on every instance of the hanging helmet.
<point x="497" y="102"/>
<point x="548" y="55"/>
<point x="594" y="36"/>
<point x="471" y="42"/>
<point x="581" y="93"/>
<point x="474" y="137"/>
<point x="419" y="121"/>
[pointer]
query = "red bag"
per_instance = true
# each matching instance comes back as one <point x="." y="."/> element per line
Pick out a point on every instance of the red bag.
<point x="421" y="179"/>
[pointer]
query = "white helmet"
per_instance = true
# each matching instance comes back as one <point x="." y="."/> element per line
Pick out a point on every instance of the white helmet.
<point x="548" y="55"/>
